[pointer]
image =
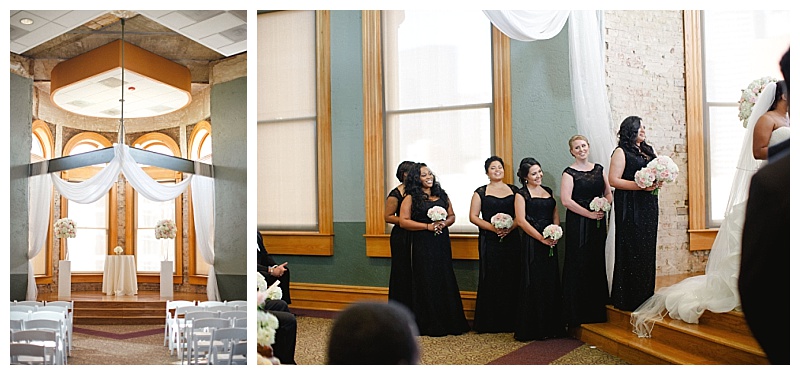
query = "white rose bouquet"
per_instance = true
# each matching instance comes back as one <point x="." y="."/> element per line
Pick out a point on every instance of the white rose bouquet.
<point x="166" y="229"/>
<point x="553" y="232"/>
<point x="660" y="169"/>
<point x="749" y="96"/>
<point x="600" y="204"/>
<point x="64" y="228"/>
<point x="118" y="250"/>
<point x="437" y="213"/>
<point x="502" y="220"/>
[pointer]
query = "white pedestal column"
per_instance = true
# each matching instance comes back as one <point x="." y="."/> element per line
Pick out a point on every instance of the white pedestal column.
<point x="64" y="279"/>
<point x="166" y="279"/>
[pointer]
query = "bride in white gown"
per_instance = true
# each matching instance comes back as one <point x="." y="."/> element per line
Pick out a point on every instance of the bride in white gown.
<point x="717" y="290"/>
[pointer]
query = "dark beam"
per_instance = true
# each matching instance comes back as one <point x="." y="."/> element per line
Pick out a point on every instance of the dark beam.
<point x="105" y="155"/>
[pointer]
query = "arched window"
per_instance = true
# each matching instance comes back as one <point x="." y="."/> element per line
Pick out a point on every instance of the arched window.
<point x="96" y="228"/>
<point x="199" y="149"/>
<point x="144" y="214"/>
<point x="42" y="149"/>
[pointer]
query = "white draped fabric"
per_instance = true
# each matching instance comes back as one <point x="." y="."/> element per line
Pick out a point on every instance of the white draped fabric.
<point x="203" y="206"/>
<point x="587" y="78"/>
<point x="96" y="187"/>
<point x="39" y="193"/>
<point x="718" y="289"/>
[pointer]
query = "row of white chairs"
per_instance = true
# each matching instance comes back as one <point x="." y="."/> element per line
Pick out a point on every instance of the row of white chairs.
<point x="32" y="306"/>
<point x="177" y="321"/>
<point x="211" y="340"/>
<point x="37" y="347"/>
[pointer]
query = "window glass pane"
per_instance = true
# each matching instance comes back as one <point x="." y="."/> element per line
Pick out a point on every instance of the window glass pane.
<point x="205" y="147"/>
<point x="287" y="157"/>
<point x="739" y="47"/>
<point x="435" y="59"/>
<point x="159" y="148"/>
<point x="288" y="162"/>
<point x="88" y="249"/>
<point x="149" y="250"/>
<point x="36" y="147"/>
<point x="458" y="166"/>
<point x="438" y="83"/>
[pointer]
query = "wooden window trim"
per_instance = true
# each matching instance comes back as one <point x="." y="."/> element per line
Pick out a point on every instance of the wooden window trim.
<point x="318" y="243"/>
<point x="700" y="236"/>
<point x="41" y="132"/>
<point x="464" y="246"/>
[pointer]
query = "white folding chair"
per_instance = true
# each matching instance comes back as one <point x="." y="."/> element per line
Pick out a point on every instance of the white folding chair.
<point x="171" y="306"/>
<point x="200" y="331"/>
<point x="177" y="324"/>
<point x="182" y="342"/>
<point x="30" y="303"/>
<point x="238" y="314"/>
<point x="210" y="303"/>
<point x="23" y="308"/>
<point x="238" y="304"/>
<point x="59" y="316"/>
<point x="19" y="315"/>
<point x="220" y="308"/>
<point x="16" y="325"/>
<point x="29" y="354"/>
<point x="70" y="306"/>
<point x="65" y="310"/>
<point x="240" y="323"/>
<point x="48" y="339"/>
<point x="53" y="326"/>
<point x="222" y="343"/>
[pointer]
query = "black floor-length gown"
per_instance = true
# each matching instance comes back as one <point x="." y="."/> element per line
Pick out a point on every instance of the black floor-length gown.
<point x="498" y="280"/>
<point x="584" y="273"/>
<point x="636" y="220"/>
<point x="436" y="300"/>
<point x="400" y="274"/>
<point x="539" y="311"/>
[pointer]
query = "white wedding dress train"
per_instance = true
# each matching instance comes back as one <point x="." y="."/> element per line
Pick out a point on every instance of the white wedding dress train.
<point x="717" y="290"/>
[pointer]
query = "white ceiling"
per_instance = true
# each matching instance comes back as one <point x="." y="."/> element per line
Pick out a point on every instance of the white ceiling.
<point x="224" y="31"/>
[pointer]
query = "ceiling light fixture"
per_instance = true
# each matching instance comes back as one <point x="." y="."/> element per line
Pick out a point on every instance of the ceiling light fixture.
<point x="89" y="84"/>
<point x="26" y="21"/>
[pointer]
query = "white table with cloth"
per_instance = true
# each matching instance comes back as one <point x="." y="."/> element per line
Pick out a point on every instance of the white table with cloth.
<point x="119" y="275"/>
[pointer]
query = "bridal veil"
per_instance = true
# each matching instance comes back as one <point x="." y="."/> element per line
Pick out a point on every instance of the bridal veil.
<point x="717" y="290"/>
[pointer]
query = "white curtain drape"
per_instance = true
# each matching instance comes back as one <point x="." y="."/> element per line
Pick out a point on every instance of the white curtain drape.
<point x="587" y="78"/>
<point x="203" y="206"/>
<point x="96" y="187"/>
<point x="39" y="193"/>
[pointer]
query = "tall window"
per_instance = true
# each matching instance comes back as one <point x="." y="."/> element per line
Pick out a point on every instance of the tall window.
<point x="739" y="46"/>
<point x="438" y="85"/>
<point x="199" y="149"/>
<point x="150" y="251"/>
<point x="87" y="251"/>
<point x="295" y="193"/>
<point x="42" y="149"/>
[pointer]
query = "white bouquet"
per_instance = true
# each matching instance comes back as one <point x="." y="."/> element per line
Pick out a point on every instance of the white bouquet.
<point x="749" y="97"/>
<point x="599" y="204"/>
<point x="437" y="213"/>
<point x="660" y="169"/>
<point x="166" y="229"/>
<point x="553" y="232"/>
<point x="118" y="250"/>
<point x="64" y="228"/>
<point x="502" y="221"/>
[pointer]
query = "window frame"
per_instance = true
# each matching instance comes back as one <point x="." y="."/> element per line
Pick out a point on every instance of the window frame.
<point x="320" y="242"/>
<point x="132" y="208"/>
<point x="464" y="246"/>
<point x="202" y="130"/>
<point x="42" y="134"/>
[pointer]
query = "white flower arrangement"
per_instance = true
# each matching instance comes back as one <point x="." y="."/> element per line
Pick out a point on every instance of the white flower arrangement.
<point x="64" y="228"/>
<point x="553" y="232"/>
<point x="118" y="250"/>
<point x="749" y="97"/>
<point x="266" y="323"/>
<point x="166" y="229"/>
<point x="660" y="169"/>
<point x="600" y="204"/>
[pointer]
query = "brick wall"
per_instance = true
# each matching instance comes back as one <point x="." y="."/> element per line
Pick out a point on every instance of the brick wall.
<point x="645" y="77"/>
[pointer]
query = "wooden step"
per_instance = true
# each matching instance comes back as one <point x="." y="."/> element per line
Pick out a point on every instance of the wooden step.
<point x="119" y="312"/>
<point x="716" y="339"/>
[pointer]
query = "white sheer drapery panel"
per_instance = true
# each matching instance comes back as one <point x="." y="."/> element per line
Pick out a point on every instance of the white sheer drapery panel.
<point x="528" y="25"/>
<point x="96" y="187"/>
<point x="39" y="193"/>
<point x="203" y="206"/>
<point x="143" y="183"/>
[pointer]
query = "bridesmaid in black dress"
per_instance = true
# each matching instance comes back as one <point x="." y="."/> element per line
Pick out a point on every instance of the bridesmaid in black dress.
<point x="539" y="311"/>
<point x="498" y="250"/>
<point x="584" y="273"/>
<point x="636" y="219"/>
<point x="435" y="297"/>
<point x="400" y="275"/>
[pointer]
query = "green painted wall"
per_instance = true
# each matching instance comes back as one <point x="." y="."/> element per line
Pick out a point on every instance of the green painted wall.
<point x="541" y="111"/>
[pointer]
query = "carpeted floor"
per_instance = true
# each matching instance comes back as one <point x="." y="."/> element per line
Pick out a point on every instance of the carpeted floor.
<point x="467" y="349"/>
<point x="120" y="345"/>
